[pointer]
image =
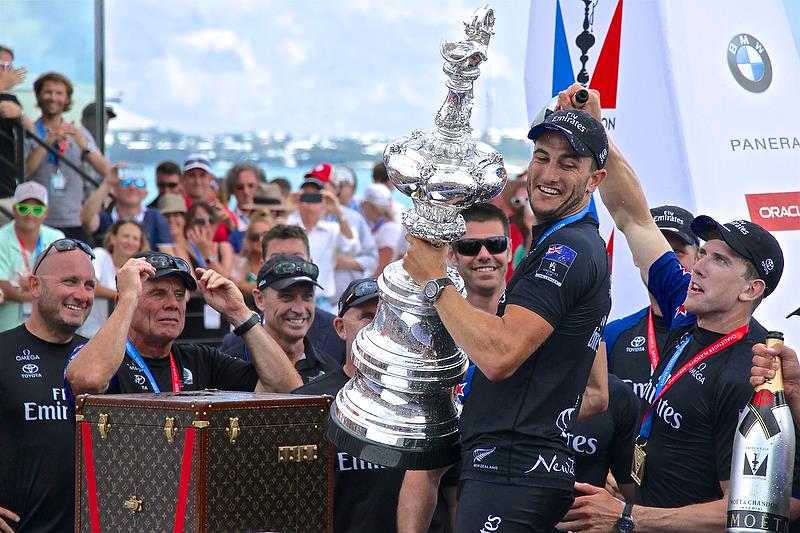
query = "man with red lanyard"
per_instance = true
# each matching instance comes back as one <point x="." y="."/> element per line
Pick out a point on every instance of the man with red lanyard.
<point x="151" y="308"/>
<point x="22" y="240"/>
<point x="682" y="457"/>
<point x="633" y="343"/>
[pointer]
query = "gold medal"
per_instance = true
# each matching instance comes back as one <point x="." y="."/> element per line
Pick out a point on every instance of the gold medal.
<point x="637" y="467"/>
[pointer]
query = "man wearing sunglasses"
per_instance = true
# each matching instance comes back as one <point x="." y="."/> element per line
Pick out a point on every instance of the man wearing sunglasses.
<point x="533" y="358"/>
<point x="151" y="309"/>
<point x="37" y="453"/>
<point x="128" y="204"/>
<point x="21" y="241"/>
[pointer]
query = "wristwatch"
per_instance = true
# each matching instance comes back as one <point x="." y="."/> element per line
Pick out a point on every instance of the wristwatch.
<point x="433" y="289"/>
<point x="625" y="522"/>
<point x="247" y="325"/>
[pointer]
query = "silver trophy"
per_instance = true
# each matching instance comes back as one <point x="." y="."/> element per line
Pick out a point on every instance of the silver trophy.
<point x="400" y="408"/>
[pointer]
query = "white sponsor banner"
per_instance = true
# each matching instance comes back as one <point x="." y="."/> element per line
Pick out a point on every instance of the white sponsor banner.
<point x="695" y="135"/>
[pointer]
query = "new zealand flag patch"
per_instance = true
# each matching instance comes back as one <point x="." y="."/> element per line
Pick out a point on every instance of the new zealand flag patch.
<point x="556" y="263"/>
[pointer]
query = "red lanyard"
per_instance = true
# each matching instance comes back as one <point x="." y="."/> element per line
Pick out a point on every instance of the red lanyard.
<point x="725" y="342"/>
<point x="652" y="347"/>
<point x="25" y="252"/>
<point x="176" y="378"/>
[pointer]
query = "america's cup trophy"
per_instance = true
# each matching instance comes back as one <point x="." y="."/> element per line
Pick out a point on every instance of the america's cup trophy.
<point x="400" y="410"/>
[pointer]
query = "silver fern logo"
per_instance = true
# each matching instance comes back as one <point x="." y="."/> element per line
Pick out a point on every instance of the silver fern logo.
<point x="479" y="454"/>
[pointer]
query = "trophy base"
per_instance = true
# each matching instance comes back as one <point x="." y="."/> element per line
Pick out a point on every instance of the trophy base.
<point x="436" y="454"/>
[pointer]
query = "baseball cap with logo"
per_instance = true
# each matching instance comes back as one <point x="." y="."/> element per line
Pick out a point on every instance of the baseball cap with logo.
<point x="197" y="161"/>
<point x="319" y="175"/>
<point x="585" y="134"/>
<point x="675" y="220"/>
<point x="750" y="241"/>
<point x="282" y="271"/>
<point x="169" y="265"/>
<point x="357" y="292"/>
<point x="30" y="190"/>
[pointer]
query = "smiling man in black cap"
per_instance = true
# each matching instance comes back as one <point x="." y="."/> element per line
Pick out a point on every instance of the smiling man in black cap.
<point x="285" y="293"/>
<point x="682" y="457"/>
<point x="151" y="308"/>
<point x="534" y="357"/>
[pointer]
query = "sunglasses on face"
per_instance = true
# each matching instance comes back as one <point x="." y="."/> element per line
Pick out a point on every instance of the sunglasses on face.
<point x="163" y="185"/>
<point x="288" y="269"/>
<point x="64" y="245"/>
<point x="472" y="247"/>
<point x="164" y="261"/>
<point x="519" y="201"/>
<point x="139" y="182"/>
<point x="27" y="209"/>
<point x="202" y="221"/>
<point x="255" y="237"/>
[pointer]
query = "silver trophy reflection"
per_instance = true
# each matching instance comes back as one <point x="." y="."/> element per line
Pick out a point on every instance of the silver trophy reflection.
<point x="400" y="409"/>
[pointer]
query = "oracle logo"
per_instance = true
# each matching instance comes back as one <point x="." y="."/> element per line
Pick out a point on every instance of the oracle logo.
<point x="775" y="211"/>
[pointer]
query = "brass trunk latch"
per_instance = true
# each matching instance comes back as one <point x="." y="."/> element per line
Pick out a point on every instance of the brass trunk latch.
<point x="133" y="504"/>
<point x="103" y="426"/>
<point x="233" y="428"/>
<point x="296" y="454"/>
<point x="170" y="430"/>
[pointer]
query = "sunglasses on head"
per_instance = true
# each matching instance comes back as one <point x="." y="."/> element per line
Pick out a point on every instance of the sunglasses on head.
<point x="518" y="201"/>
<point x="288" y="269"/>
<point x="64" y="245"/>
<point x="139" y="182"/>
<point x="494" y="245"/>
<point x="163" y="261"/>
<point x="27" y="209"/>
<point x="166" y="185"/>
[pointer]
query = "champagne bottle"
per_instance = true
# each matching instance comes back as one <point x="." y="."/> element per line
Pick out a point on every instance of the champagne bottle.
<point x="763" y="459"/>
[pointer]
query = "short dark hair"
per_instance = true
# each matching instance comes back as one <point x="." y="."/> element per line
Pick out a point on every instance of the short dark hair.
<point x="379" y="173"/>
<point x="168" y="167"/>
<point x="53" y="77"/>
<point x="284" y="232"/>
<point x="232" y="177"/>
<point x="284" y="184"/>
<point x="485" y="213"/>
<point x="7" y="50"/>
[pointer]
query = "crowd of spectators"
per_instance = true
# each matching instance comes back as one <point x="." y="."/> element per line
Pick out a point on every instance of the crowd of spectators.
<point x="94" y="285"/>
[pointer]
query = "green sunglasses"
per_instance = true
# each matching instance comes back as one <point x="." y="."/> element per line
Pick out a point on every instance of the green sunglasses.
<point x="26" y="209"/>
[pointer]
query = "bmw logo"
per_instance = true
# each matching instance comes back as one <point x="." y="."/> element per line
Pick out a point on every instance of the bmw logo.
<point x="30" y="368"/>
<point x="749" y="63"/>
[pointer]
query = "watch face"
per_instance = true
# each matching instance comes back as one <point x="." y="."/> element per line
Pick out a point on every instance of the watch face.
<point x="625" y="525"/>
<point x="431" y="288"/>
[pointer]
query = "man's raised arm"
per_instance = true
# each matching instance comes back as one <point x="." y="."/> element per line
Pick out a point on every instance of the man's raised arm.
<point x="622" y="195"/>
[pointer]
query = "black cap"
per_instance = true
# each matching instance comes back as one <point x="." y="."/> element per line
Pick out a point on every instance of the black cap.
<point x="169" y="265"/>
<point x="585" y="134"/>
<point x="675" y="220"/>
<point x="356" y="293"/>
<point x="281" y="271"/>
<point x="750" y="241"/>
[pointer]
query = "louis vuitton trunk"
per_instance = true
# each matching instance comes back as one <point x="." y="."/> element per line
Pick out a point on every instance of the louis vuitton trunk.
<point x="203" y="461"/>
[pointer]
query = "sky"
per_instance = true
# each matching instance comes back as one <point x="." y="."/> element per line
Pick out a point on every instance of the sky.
<point x="310" y="66"/>
<point x="331" y="68"/>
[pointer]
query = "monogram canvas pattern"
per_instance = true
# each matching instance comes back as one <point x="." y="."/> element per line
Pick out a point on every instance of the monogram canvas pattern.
<point x="239" y="486"/>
